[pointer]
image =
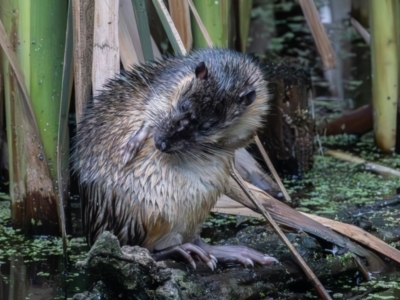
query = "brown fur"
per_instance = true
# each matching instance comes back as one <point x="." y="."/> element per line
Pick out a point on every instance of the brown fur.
<point x="156" y="199"/>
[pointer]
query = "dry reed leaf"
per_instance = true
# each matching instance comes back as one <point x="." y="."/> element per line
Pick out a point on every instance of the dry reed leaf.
<point x="180" y="14"/>
<point x="226" y="205"/>
<point x="287" y="216"/>
<point x="200" y="23"/>
<point x="357" y="234"/>
<point x="129" y="40"/>
<point x="169" y="27"/>
<point x="106" y="56"/>
<point x="320" y="37"/>
<point x="83" y="21"/>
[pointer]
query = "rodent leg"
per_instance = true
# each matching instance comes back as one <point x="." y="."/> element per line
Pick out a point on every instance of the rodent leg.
<point x="135" y="143"/>
<point x="236" y="254"/>
<point x="185" y="252"/>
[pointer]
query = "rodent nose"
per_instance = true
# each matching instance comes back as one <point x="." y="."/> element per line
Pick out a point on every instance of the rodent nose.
<point x="161" y="145"/>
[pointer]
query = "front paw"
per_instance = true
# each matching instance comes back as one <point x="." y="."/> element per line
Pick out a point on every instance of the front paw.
<point x="134" y="144"/>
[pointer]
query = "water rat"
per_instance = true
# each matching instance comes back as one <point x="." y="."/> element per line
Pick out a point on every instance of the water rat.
<point x="152" y="151"/>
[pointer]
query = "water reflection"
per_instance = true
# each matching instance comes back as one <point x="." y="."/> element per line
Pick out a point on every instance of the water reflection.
<point x="39" y="280"/>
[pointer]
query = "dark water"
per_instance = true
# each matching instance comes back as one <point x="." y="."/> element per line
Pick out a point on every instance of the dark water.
<point x="35" y="268"/>
<point x="47" y="279"/>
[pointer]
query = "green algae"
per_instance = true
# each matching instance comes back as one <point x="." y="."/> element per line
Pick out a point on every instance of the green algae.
<point x="332" y="184"/>
<point x="14" y="242"/>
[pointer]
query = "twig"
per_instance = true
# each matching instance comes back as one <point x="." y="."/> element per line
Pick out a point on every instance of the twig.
<point x="63" y="137"/>
<point x="382" y="170"/>
<point x="272" y="168"/>
<point x="361" y="267"/>
<point x="361" y="30"/>
<point x="169" y="27"/>
<point x="320" y="37"/>
<point x="311" y="276"/>
<point x="200" y="23"/>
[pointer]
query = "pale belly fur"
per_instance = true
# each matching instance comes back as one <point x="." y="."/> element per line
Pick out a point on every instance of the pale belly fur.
<point x="172" y="198"/>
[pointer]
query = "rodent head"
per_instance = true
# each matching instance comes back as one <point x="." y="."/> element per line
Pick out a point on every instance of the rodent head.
<point x="220" y="106"/>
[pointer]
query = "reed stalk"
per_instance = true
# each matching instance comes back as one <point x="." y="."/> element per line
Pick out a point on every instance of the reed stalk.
<point x="244" y="10"/>
<point x="142" y="25"/>
<point x="216" y="17"/>
<point x="48" y="27"/>
<point x="33" y="38"/>
<point x="384" y="72"/>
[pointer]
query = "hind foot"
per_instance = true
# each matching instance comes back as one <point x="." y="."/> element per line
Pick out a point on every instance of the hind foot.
<point x="236" y="254"/>
<point x="186" y="252"/>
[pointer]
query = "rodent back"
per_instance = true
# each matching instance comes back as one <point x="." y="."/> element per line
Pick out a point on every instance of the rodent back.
<point x="211" y="101"/>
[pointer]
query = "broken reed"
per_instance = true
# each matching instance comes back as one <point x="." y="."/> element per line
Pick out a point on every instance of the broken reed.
<point x="37" y="35"/>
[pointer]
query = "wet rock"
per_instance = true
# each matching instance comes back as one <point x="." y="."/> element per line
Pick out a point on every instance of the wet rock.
<point x="131" y="273"/>
<point x="128" y="272"/>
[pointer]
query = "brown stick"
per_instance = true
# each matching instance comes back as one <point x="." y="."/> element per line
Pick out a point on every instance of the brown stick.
<point x="320" y="37"/>
<point x="310" y="274"/>
<point x="272" y="168"/>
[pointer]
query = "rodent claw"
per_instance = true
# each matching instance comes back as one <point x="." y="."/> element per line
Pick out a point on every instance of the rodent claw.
<point x="211" y="265"/>
<point x="269" y="259"/>
<point x="214" y="258"/>
<point x="215" y="265"/>
<point x="249" y="262"/>
<point x="193" y="265"/>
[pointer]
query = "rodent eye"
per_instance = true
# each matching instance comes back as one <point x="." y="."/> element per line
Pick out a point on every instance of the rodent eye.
<point x="248" y="97"/>
<point x="184" y="106"/>
<point x="205" y="127"/>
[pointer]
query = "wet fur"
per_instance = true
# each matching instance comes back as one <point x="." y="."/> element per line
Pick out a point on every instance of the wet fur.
<point x="159" y="199"/>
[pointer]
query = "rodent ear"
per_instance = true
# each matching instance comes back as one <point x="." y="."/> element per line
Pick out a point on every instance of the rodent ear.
<point x="248" y="97"/>
<point x="201" y="71"/>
